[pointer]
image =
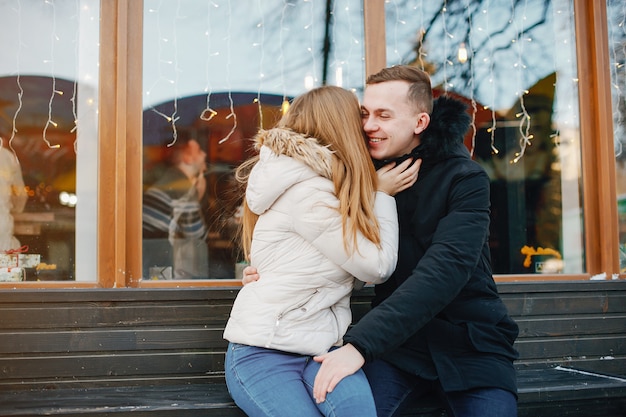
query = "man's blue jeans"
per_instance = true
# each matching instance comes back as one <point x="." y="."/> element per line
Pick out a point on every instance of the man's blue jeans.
<point x="394" y="389"/>
<point x="266" y="382"/>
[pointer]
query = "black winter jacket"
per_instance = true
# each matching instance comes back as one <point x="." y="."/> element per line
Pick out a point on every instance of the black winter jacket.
<point x="439" y="315"/>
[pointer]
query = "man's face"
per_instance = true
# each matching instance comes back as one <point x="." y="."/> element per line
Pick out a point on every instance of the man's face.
<point x="196" y="157"/>
<point x="390" y="122"/>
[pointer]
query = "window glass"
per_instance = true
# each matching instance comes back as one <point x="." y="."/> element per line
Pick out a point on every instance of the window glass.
<point x="214" y="73"/>
<point x="514" y="64"/>
<point x="616" y="16"/>
<point x="48" y="121"/>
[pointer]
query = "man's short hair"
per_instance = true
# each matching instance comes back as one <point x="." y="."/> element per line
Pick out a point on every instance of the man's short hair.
<point x="420" y="89"/>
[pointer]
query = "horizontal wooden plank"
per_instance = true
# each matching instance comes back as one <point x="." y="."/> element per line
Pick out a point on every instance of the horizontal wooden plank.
<point x="79" y="316"/>
<point x="51" y="295"/>
<point x="612" y="365"/>
<point x="64" y="295"/>
<point x="120" y="364"/>
<point x="111" y="340"/>
<point x="539" y="391"/>
<point x="581" y="325"/>
<point x="112" y="381"/>
<point x="562" y="347"/>
<point x="559" y="287"/>
<point x="197" y="399"/>
<point x="566" y="304"/>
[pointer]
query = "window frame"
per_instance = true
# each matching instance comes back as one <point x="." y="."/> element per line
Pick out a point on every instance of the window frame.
<point x="120" y="146"/>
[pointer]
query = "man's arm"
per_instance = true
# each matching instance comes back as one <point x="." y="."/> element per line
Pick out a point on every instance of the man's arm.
<point x="434" y="283"/>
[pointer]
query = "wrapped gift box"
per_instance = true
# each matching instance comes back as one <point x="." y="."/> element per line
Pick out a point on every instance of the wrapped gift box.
<point x="11" y="274"/>
<point x="21" y="260"/>
<point x="160" y="272"/>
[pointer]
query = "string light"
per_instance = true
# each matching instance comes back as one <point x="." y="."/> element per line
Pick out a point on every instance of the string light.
<point x="448" y="35"/>
<point x="284" y="106"/>
<point x="20" y="93"/>
<point x="421" y="54"/>
<point x="232" y="114"/>
<point x="339" y="76"/>
<point x="617" y="72"/>
<point x="463" y="58"/>
<point x="261" y="26"/>
<point x="75" y="84"/>
<point x="397" y="22"/>
<point x="310" y="48"/>
<point x="491" y="129"/>
<point x="338" y="63"/>
<point x="556" y="109"/>
<point x="281" y="55"/>
<point x="524" y="116"/>
<point x="53" y="39"/>
<point x="173" y="118"/>
<point x="309" y="82"/>
<point x="462" y="53"/>
<point x="208" y="113"/>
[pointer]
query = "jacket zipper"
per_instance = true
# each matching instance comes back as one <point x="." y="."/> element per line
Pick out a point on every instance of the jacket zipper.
<point x="271" y="336"/>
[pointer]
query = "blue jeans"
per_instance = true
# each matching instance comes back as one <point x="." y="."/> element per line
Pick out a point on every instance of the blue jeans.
<point x="394" y="389"/>
<point x="266" y="382"/>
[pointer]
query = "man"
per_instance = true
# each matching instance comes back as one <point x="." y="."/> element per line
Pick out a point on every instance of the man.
<point x="438" y="324"/>
<point x="13" y="197"/>
<point x="172" y="210"/>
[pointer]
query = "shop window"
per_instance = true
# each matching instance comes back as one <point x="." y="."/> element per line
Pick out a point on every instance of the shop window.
<point x="616" y="16"/>
<point x="48" y="138"/>
<point x="514" y="65"/>
<point x="214" y="74"/>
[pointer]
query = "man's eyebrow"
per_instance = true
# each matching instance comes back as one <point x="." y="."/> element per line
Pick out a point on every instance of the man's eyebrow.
<point x="377" y="110"/>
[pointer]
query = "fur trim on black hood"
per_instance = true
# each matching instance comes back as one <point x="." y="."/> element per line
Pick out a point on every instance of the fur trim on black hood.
<point x="449" y="122"/>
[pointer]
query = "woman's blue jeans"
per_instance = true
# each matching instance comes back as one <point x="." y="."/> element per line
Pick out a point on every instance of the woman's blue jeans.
<point x="394" y="389"/>
<point x="266" y="382"/>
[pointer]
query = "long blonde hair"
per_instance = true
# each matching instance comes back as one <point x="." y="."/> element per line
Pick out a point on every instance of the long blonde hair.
<point x="332" y="115"/>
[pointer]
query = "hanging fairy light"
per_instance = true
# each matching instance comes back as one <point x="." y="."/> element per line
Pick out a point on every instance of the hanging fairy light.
<point x="172" y="63"/>
<point x="53" y="40"/>
<point x="261" y="43"/>
<point x="463" y="56"/>
<point x="490" y="64"/>
<point x="20" y="93"/>
<point x="339" y="77"/>
<point x="447" y="62"/>
<point x="462" y="53"/>
<point x="208" y="113"/>
<point x="285" y="106"/>
<point x="523" y="116"/>
<point x="618" y="75"/>
<point x="232" y="114"/>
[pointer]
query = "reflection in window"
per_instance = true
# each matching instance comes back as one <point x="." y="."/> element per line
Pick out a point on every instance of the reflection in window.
<point x="616" y="13"/>
<point x="214" y="73"/>
<point x="514" y="65"/>
<point x="48" y="107"/>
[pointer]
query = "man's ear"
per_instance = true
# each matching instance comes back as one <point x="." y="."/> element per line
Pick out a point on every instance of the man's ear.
<point x="423" y="119"/>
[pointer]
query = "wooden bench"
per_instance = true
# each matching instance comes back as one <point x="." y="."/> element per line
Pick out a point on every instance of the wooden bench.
<point x="160" y="352"/>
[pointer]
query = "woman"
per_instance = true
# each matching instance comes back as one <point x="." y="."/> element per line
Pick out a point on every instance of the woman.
<point x="312" y="222"/>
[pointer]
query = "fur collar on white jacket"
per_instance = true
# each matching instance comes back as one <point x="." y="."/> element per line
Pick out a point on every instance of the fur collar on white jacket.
<point x="301" y="304"/>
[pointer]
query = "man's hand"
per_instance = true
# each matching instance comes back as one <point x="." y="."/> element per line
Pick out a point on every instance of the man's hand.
<point x="249" y="275"/>
<point x="392" y="179"/>
<point x="336" y="365"/>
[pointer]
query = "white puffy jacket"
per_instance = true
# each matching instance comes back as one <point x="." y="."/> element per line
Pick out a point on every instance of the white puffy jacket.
<point x="301" y="304"/>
